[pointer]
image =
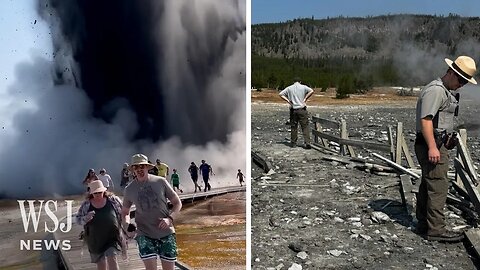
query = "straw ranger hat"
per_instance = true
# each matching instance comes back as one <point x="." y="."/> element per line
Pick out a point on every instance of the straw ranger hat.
<point x="140" y="159"/>
<point x="463" y="66"/>
<point x="96" y="186"/>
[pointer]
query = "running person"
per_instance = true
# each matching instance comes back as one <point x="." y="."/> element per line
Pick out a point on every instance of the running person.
<point x="176" y="181"/>
<point x="206" y="171"/>
<point x="193" y="170"/>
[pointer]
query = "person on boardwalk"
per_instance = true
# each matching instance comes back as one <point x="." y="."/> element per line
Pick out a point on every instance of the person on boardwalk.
<point x="155" y="231"/>
<point x="106" y="179"/>
<point x="240" y="177"/>
<point x="91" y="176"/>
<point x="125" y="176"/>
<point x="176" y="181"/>
<point x="193" y="170"/>
<point x="162" y="168"/>
<point x="206" y="171"/>
<point x="100" y="214"/>
<point x="297" y="95"/>
<point x="435" y="112"/>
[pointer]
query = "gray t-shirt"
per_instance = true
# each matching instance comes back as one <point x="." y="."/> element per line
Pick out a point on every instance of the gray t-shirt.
<point x="296" y="94"/>
<point x="430" y="100"/>
<point x="150" y="199"/>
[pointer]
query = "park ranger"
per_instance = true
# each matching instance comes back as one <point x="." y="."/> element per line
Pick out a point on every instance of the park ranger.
<point x="436" y="109"/>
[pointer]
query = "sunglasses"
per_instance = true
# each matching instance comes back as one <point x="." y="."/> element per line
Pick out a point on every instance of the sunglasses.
<point x="141" y="166"/>
<point x="97" y="192"/>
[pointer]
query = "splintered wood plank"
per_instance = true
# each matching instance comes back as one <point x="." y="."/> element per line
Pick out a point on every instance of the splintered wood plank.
<point x="356" y="143"/>
<point x="473" y="193"/>
<point x="344" y="135"/>
<point x="406" y="192"/>
<point x="326" y="122"/>
<point x="473" y="236"/>
<point x="390" y="141"/>
<point x="407" y="153"/>
<point x="398" y="152"/>
<point x="466" y="160"/>
<point x="317" y="127"/>
<point x="463" y="137"/>
<point x="396" y="166"/>
<point x="262" y="161"/>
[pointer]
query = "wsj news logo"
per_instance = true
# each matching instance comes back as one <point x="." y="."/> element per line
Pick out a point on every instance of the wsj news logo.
<point x="34" y="217"/>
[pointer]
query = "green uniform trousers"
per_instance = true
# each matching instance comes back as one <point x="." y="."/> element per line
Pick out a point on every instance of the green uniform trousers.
<point x="433" y="190"/>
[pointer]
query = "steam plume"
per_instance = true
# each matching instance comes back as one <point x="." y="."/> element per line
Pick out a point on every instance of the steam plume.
<point x="166" y="78"/>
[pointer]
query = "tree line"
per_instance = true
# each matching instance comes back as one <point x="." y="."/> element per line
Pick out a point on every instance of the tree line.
<point x="352" y="54"/>
<point x="348" y="75"/>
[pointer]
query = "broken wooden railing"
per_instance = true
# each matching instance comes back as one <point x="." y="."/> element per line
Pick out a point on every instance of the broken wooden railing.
<point x="322" y="139"/>
<point x="464" y="179"/>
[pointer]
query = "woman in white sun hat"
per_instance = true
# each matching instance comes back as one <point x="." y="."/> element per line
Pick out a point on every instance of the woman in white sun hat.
<point x="437" y="107"/>
<point x="100" y="214"/>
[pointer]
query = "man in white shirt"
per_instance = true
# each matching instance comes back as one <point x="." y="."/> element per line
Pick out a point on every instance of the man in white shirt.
<point x="106" y="179"/>
<point x="297" y="95"/>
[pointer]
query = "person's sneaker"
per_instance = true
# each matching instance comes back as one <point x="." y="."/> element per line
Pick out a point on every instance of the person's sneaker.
<point x="308" y="146"/>
<point x="81" y="235"/>
<point x="447" y="236"/>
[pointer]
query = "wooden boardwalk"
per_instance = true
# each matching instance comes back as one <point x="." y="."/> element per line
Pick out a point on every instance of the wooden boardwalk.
<point x="78" y="257"/>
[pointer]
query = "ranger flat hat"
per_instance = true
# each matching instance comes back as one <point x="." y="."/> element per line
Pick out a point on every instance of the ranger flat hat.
<point x="463" y="66"/>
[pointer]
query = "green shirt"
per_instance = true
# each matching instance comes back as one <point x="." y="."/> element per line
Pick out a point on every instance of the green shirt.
<point x="175" y="179"/>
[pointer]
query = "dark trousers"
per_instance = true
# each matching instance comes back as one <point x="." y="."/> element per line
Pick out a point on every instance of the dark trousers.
<point x="207" y="185"/>
<point x="299" y="116"/>
<point x="432" y="193"/>
<point x="194" y="179"/>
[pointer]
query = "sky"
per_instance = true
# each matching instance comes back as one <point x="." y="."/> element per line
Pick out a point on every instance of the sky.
<point x="270" y="11"/>
<point x="21" y="37"/>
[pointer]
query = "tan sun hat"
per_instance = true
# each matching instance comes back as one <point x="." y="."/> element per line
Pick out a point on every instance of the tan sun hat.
<point x="463" y="66"/>
<point x="96" y="186"/>
<point x="140" y="159"/>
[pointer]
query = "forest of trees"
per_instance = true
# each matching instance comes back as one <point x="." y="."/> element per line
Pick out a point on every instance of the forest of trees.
<point x="354" y="54"/>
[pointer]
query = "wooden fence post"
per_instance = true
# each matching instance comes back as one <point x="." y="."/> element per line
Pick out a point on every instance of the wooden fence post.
<point x="463" y="136"/>
<point x="344" y="135"/>
<point x="398" y="149"/>
<point x="407" y="152"/>
<point x="317" y="128"/>
<point x="390" y="141"/>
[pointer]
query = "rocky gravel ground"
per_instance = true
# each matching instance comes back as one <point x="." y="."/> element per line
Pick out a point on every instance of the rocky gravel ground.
<point x="310" y="213"/>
